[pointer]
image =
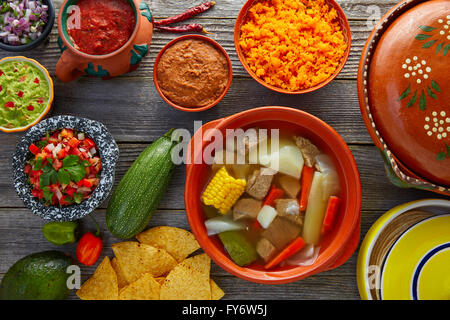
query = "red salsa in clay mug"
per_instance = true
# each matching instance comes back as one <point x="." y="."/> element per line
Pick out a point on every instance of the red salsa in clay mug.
<point x="102" y="38"/>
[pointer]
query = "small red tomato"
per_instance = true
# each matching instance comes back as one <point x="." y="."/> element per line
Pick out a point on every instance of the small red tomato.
<point x="37" y="81"/>
<point x="20" y="94"/>
<point x="30" y="108"/>
<point x="89" y="248"/>
<point x="9" y="104"/>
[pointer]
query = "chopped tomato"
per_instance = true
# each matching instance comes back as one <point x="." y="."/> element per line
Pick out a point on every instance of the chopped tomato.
<point x="70" y="191"/>
<point x="30" y="108"/>
<point x="27" y="169"/>
<point x="75" y="151"/>
<point x="61" y="154"/>
<point x="74" y="142"/>
<point x="34" y="149"/>
<point x="85" y="183"/>
<point x="20" y="94"/>
<point x="89" y="143"/>
<point x="57" y="164"/>
<point x="9" y="104"/>
<point x="37" y="193"/>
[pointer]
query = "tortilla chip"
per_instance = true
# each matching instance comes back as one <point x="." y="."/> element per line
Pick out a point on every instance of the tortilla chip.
<point x="119" y="272"/>
<point x="216" y="292"/>
<point x="145" y="288"/>
<point x="102" y="285"/>
<point x="160" y="280"/>
<point x="178" y="242"/>
<point x="136" y="258"/>
<point x="189" y="280"/>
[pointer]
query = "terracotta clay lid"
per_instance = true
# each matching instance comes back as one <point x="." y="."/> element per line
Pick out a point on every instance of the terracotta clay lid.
<point x="405" y="90"/>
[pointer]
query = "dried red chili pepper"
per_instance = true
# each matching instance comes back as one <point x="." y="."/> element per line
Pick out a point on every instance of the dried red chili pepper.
<point x="194" y="27"/>
<point x="89" y="247"/>
<point x="186" y="15"/>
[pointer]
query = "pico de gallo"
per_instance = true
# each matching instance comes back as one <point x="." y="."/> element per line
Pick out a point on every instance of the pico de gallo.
<point x="64" y="168"/>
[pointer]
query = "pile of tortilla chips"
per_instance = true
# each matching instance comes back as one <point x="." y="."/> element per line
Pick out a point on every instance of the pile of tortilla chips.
<point x="155" y="268"/>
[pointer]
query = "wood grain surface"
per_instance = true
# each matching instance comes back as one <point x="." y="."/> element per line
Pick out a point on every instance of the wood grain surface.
<point x="136" y="115"/>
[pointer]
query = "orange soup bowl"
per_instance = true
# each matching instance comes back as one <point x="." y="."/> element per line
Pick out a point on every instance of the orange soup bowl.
<point x="336" y="247"/>
<point x="343" y="22"/>
<point x="216" y="45"/>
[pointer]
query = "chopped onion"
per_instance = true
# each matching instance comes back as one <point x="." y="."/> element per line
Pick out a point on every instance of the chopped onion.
<point x="306" y="257"/>
<point x="81" y="136"/>
<point x="221" y="224"/>
<point x="22" y="21"/>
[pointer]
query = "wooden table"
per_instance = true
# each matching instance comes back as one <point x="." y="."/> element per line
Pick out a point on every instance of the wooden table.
<point x="136" y="115"/>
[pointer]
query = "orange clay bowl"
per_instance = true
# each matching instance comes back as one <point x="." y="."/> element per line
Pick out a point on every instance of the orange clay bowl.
<point x="336" y="247"/>
<point x="216" y="45"/>
<point x="345" y="28"/>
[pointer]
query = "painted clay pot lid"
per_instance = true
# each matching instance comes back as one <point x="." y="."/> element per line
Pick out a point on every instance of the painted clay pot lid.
<point x="406" y="83"/>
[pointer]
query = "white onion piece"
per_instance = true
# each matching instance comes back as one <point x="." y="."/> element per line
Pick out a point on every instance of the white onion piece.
<point x="221" y="224"/>
<point x="266" y="215"/>
<point x="305" y="257"/>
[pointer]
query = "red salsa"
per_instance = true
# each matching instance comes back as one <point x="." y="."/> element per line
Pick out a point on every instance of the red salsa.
<point x="106" y="25"/>
<point x="64" y="168"/>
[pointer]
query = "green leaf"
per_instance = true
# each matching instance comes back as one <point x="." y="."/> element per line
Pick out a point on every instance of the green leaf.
<point x="441" y="156"/>
<point x="77" y="173"/>
<point x="63" y="176"/>
<point x="70" y="160"/>
<point x="405" y="93"/>
<point x="427" y="29"/>
<point x="412" y="101"/>
<point x="446" y="49"/>
<point x="435" y="86"/>
<point x="423" y="101"/>
<point x="439" y="47"/>
<point x="423" y="36"/>
<point x="41" y="144"/>
<point x="38" y="164"/>
<point x="49" y="176"/>
<point x="429" y="44"/>
<point x="77" y="198"/>
<point x="47" y="195"/>
<point x="431" y="93"/>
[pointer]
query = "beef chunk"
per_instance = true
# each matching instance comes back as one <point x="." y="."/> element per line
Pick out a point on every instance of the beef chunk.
<point x="289" y="209"/>
<point x="266" y="249"/>
<point x="290" y="185"/>
<point x="259" y="183"/>
<point x="246" y="208"/>
<point x="309" y="150"/>
<point x="250" y="140"/>
<point x="281" y="232"/>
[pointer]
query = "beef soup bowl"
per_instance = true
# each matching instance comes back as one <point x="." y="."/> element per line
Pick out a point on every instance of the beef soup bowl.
<point x="336" y="247"/>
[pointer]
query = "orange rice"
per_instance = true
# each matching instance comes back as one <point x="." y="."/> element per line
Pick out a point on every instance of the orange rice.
<point x="292" y="44"/>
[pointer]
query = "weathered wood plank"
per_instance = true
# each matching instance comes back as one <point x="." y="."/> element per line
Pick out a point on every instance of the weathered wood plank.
<point x="134" y="112"/>
<point x="378" y="193"/>
<point x="20" y="235"/>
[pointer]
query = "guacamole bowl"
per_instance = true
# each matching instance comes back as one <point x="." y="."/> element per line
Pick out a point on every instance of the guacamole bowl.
<point x="26" y="93"/>
<point x="85" y="129"/>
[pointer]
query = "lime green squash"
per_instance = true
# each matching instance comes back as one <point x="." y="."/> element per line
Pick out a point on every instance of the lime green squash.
<point x="140" y="191"/>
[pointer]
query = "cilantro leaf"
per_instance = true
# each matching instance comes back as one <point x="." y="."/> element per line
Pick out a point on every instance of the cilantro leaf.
<point x="70" y="161"/>
<point x="63" y="176"/>
<point x="77" y="172"/>
<point x="49" y="176"/>
<point x="77" y="197"/>
<point x="48" y="195"/>
<point x="38" y="164"/>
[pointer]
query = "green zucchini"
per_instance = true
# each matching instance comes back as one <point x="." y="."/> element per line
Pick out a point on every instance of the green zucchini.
<point x="140" y="191"/>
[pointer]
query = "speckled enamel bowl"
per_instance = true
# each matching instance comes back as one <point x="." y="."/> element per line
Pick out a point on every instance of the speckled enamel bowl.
<point x="109" y="154"/>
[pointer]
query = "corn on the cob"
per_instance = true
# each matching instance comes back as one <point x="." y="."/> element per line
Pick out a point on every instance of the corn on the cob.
<point x="223" y="191"/>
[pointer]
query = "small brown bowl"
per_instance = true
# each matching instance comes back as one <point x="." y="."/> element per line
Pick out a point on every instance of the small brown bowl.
<point x="216" y="45"/>
<point x="345" y="28"/>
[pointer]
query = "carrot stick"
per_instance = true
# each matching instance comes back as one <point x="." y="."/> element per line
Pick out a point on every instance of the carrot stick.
<point x="330" y="214"/>
<point x="306" y="182"/>
<point x="274" y="194"/>
<point x="292" y="248"/>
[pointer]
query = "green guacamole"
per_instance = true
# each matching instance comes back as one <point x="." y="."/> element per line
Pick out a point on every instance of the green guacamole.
<point x="24" y="93"/>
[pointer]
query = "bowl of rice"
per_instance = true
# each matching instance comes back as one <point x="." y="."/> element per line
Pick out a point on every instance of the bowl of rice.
<point x="292" y="46"/>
